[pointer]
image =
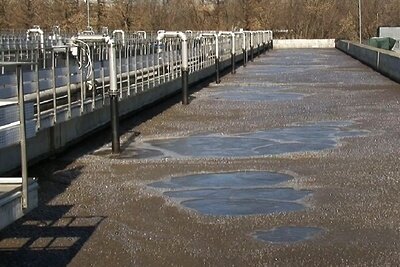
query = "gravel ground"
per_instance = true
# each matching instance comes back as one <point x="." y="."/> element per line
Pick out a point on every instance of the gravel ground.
<point x="96" y="210"/>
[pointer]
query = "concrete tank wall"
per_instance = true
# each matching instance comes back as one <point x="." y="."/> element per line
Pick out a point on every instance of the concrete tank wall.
<point x="304" y="43"/>
<point x="383" y="61"/>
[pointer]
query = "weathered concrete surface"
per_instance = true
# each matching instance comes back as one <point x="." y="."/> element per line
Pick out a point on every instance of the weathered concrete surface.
<point x="98" y="210"/>
<point x="303" y="43"/>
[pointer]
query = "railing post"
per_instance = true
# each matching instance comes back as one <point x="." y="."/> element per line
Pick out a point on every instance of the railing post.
<point x="114" y="111"/>
<point x="218" y="79"/>
<point x="271" y="39"/>
<point x="251" y="47"/>
<point x="22" y="137"/>
<point x="244" y="49"/>
<point x="233" y="53"/>
<point x="185" y="72"/>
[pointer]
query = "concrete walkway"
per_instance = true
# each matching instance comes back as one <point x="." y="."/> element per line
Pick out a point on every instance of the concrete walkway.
<point x="324" y="122"/>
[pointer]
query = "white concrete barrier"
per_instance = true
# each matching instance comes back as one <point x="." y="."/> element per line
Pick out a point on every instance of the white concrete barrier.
<point x="303" y="43"/>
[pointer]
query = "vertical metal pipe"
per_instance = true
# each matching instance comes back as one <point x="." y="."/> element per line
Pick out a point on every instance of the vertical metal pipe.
<point x="128" y="67"/>
<point x="136" y="65"/>
<point x="359" y="20"/>
<point x="159" y="53"/>
<point x="185" y="85"/>
<point x="54" y="77"/>
<point x="148" y="47"/>
<point x="191" y="66"/>
<point x="217" y="78"/>
<point x="233" y="59"/>
<point x="88" y="12"/>
<point x="217" y="56"/>
<point x="2" y="59"/>
<point x="264" y="42"/>
<point x="69" y="112"/>
<point x="185" y="72"/>
<point x="22" y="137"/>
<point x="252" y="46"/>
<point x="170" y="61"/>
<point x="93" y="81"/>
<point x="153" y="63"/>
<point x="44" y="58"/>
<point x="83" y="88"/>
<point x="233" y="53"/>
<point x="102" y="77"/>
<point x="142" y="65"/>
<point x="114" y="112"/>
<point x="120" y="69"/>
<point x="38" y="110"/>
<point x="244" y="58"/>
<point x="164" y="50"/>
<point x="244" y="49"/>
<point x="175" y="60"/>
<point x="116" y="148"/>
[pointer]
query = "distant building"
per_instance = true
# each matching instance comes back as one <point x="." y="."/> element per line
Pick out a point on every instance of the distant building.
<point x="393" y="32"/>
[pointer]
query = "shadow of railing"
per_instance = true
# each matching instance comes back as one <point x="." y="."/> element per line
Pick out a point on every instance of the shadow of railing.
<point x="47" y="237"/>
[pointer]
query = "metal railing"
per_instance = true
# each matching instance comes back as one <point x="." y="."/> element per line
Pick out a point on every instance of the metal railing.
<point x="70" y="80"/>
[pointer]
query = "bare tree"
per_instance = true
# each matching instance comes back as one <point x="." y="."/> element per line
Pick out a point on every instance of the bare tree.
<point x="303" y="18"/>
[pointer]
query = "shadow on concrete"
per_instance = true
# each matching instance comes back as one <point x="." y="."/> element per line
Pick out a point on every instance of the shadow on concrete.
<point x="46" y="237"/>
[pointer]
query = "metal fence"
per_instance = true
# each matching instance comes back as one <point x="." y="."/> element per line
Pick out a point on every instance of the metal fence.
<point x="69" y="80"/>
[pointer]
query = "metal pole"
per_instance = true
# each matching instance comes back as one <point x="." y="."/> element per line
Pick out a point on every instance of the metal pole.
<point x="233" y="53"/>
<point x="359" y="20"/>
<point x="22" y="137"/>
<point x="185" y="72"/>
<point x="88" y="12"/>
<point x="218" y="79"/>
<point x="251" y="46"/>
<point x="244" y="48"/>
<point x="185" y="77"/>
<point x="114" y="112"/>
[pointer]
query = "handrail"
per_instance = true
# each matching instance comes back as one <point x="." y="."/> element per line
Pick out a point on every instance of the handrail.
<point x="56" y="84"/>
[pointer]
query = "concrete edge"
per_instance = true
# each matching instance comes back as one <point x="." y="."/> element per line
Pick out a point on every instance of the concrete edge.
<point x="385" y="62"/>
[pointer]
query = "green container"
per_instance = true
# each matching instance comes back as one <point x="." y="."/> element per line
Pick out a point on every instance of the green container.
<point x="386" y="43"/>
